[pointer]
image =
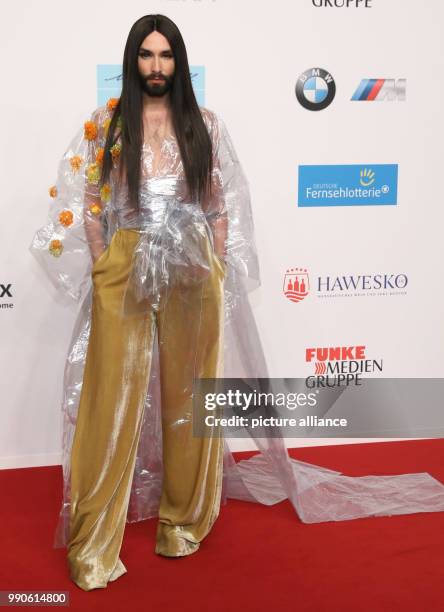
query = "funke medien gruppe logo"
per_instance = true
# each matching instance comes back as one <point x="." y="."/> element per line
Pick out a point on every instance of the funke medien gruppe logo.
<point x="348" y="185"/>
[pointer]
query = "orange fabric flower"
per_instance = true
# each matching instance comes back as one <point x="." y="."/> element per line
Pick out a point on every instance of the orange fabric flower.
<point x="105" y="192"/>
<point x="95" y="209"/>
<point x="53" y="191"/>
<point x="66" y="217"/>
<point x="112" y="103"/>
<point x="76" y="161"/>
<point x="90" y="130"/>
<point x="99" y="155"/>
<point x="56" y="247"/>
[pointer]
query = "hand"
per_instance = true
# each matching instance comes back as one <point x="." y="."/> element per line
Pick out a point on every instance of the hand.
<point x="193" y="274"/>
<point x="221" y="259"/>
<point x="97" y="255"/>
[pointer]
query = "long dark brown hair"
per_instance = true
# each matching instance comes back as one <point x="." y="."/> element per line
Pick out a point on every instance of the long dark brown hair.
<point x="191" y="133"/>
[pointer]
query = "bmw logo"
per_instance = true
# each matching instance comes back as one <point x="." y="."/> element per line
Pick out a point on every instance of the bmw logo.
<point x="315" y="89"/>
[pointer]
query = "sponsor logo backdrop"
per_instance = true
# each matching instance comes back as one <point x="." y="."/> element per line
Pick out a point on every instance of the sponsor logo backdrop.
<point x="311" y="103"/>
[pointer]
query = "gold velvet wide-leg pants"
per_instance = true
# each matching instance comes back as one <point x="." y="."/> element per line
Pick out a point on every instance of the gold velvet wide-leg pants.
<point x="117" y="368"/>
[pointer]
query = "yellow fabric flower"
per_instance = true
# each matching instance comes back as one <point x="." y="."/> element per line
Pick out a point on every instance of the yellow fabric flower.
<point x="115" y="150"/>
<point x="90" y="130"/>
<point x="66" y="217"/>
<point x="76" y="161"/>
<point x="93" y="173"/>
<point x="105" y="192"/>
<point x="56" y="247"/>
<point x="95" y="209"/>
<point x="53" y="191"/>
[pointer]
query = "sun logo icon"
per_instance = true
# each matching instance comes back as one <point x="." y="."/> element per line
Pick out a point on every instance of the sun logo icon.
<point x="367" y="177"/>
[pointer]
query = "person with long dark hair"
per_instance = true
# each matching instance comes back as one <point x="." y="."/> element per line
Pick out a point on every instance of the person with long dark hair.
<point x="156" y="114"/>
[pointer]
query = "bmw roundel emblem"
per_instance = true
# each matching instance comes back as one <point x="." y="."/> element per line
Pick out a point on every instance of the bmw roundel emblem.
<point x="315" y="89"/>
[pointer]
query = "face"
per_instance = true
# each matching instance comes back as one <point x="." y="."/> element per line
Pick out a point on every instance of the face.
<point x="156" y="65"/>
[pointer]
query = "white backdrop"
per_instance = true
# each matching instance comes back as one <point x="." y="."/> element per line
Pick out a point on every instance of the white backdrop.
<point x="253" y="53"/>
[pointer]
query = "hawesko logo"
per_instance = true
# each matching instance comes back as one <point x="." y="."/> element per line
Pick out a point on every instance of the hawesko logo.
<point x="381" y="90"/>
<point x="348" y="185"/>
<point x="362" y="282"/>
<point x="336" y="366"/>
<point x="296" y="284"/>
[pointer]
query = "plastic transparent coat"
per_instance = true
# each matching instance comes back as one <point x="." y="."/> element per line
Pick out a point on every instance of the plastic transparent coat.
<point x="83" y="220"/>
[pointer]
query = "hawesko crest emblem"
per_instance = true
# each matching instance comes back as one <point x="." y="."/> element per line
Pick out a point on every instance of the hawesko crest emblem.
<point x="296" y="284"/>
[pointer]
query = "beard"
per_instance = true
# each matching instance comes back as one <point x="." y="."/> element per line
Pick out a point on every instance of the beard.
<point x="156" y="89"/>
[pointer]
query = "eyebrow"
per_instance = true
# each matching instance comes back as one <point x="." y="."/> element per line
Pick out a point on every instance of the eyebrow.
<point x="149" y="50"/>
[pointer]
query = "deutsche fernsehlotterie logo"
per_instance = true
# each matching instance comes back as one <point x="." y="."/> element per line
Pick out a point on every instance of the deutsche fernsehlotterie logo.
<point x="347" y="185"/>
<point x="296" y="284"/>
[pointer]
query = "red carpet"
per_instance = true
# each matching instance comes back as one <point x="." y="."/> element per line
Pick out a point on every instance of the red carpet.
<point x="256" y="558"/>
